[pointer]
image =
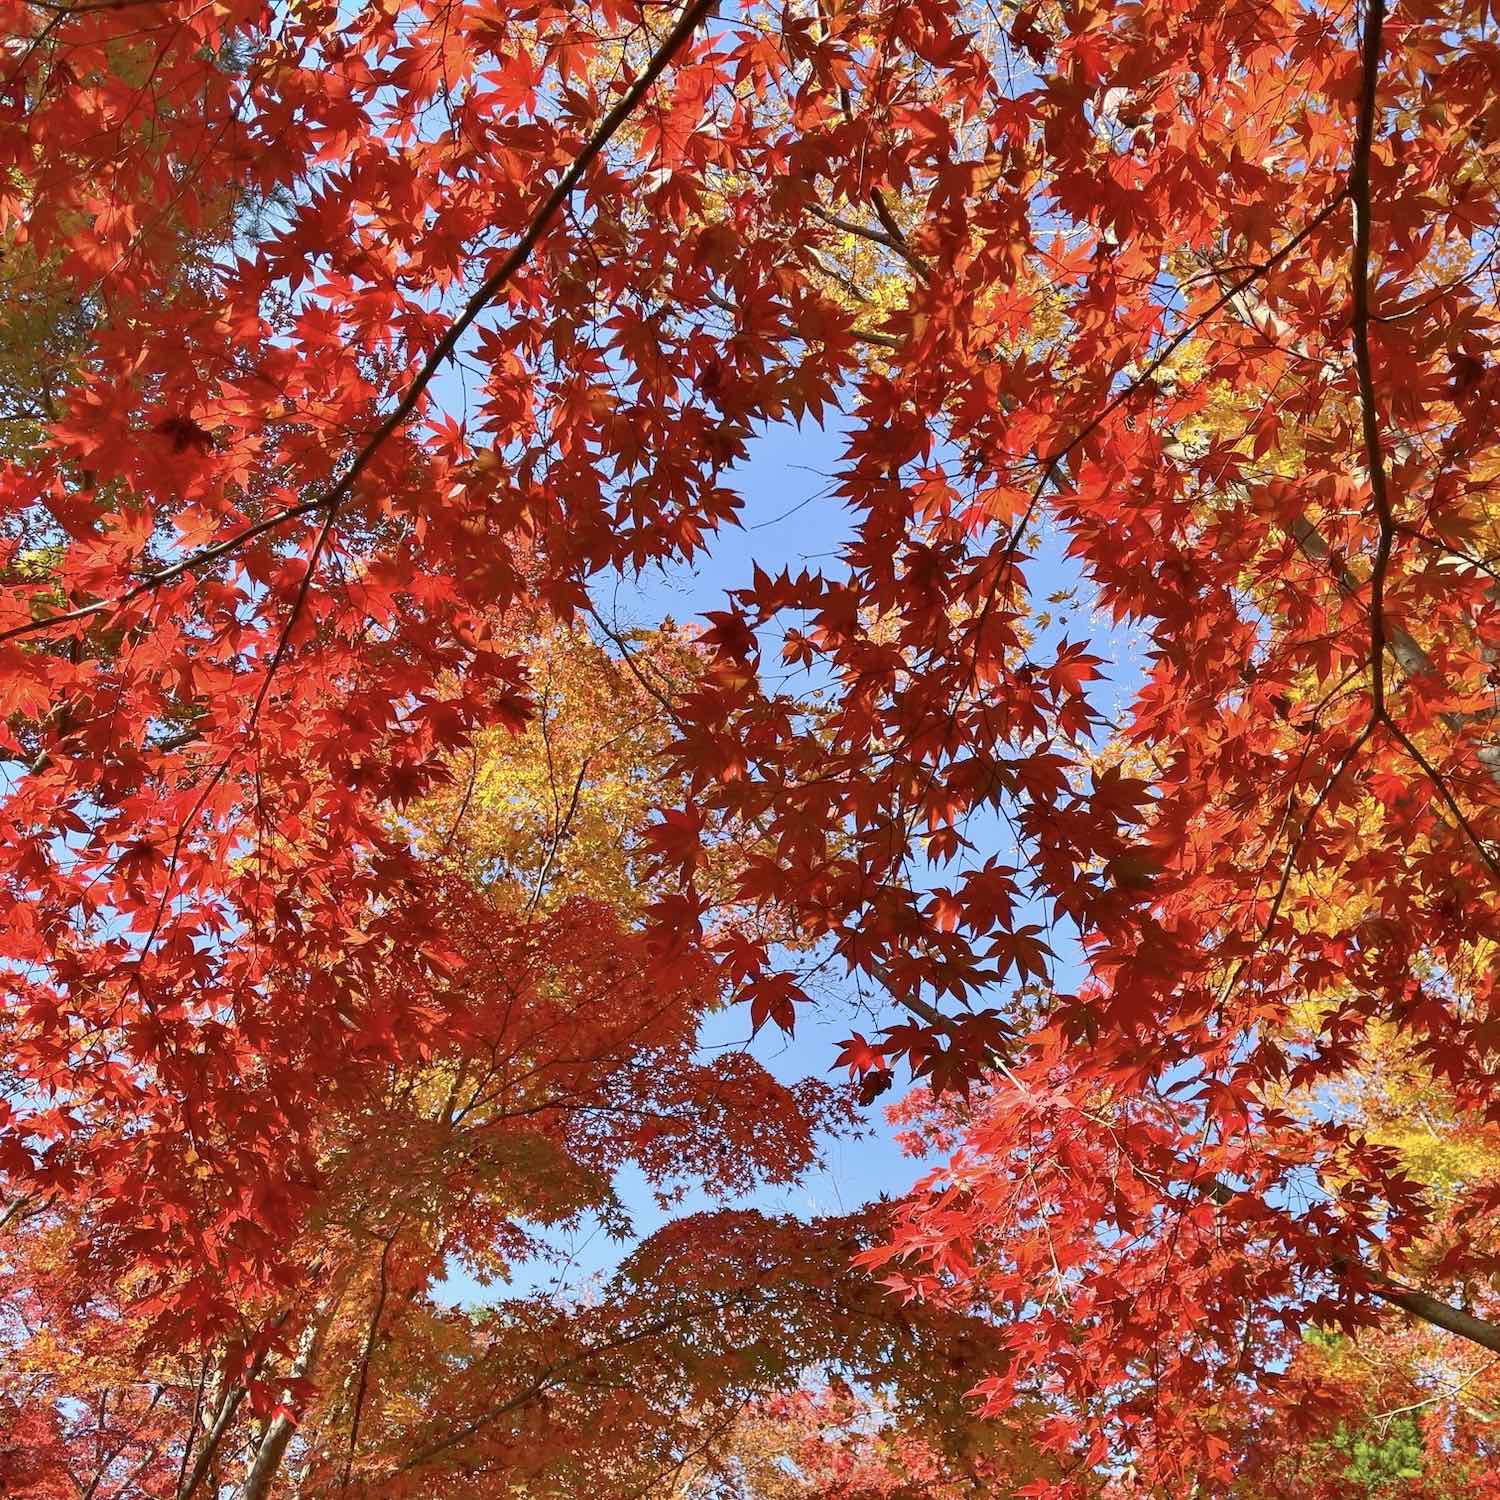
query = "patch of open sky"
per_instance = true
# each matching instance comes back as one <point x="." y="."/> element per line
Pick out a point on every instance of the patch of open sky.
<point x="793" y="519"/>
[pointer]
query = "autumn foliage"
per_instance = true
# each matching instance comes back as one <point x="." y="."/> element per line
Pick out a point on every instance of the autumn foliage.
<point x="368" y="882"/>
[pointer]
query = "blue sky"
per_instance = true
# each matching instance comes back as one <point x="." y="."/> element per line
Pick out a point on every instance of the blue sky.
<point x="792" y="519"/>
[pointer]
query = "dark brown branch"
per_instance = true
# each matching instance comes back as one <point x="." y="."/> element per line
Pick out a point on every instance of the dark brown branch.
<point x="892" y="228"/>
<point x="834" y="274"/>
<point x="364" y="1361"/>
<point x="1359" y="194"/>
<point x="192" y="1432"/>
<point x="1439" y="1314"/>
<point x="228" y="1406"/>
<point x="441" y="352"/>
<point x="1359" y="275"/>
<point x="884" y="237"/>
<point x="1429" y="1309"/>
<point x="107" y="1459"/>
<point x="1405" y="651"/>
<point x="914" y="1004"/>
<point x="27" y="1206"/>
<point x="1419" y="1304"/>
<point x="1052" y="464"/>
<point x="151" y="582"/>
<point x="1486" y="854"/>
<point x="559" y="834"/>
<point x="1324" y="792"/>
<point x="489" y="289"/>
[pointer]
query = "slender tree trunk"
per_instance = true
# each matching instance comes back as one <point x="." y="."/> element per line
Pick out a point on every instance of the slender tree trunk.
<point x="228" y="1405"/>
<point x="279" y="1430"/>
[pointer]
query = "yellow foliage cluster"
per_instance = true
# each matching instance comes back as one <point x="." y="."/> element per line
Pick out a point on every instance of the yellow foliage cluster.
<point x="557" y="811"/>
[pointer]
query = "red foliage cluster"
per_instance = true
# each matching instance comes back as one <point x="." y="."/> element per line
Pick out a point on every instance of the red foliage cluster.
<point x="1207" y="288"/>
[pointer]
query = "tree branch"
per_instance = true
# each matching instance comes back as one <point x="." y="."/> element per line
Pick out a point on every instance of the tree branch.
<point x="364" y="1362"/>
<point x="1359" y="194"/>
<point x="1359" y="275"/>
<point x="875" y="236"/>
<point x="278" y="1431"/>
<point x="1429" y="1309"/>
<point x="441" y="352"/>
<point x="892" y="228"/>
<point x="228" y="1406"/>
<point x="540" y="1384"/>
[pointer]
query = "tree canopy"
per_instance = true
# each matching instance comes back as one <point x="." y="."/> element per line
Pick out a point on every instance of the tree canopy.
<point x="369" y="883"/>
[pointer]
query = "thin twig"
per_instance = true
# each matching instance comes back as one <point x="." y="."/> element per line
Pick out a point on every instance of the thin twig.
<point x="559" y="833"/>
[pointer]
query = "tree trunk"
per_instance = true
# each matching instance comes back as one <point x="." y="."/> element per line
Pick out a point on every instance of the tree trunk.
<point x="279" y="1430"/>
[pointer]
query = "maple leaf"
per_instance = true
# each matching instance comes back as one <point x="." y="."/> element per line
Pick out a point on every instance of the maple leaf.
<point x="184" y="433"/>
<point x="729" y="633"/>
<point x="859" y="1056"/>
<point x="774" y="997"/>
